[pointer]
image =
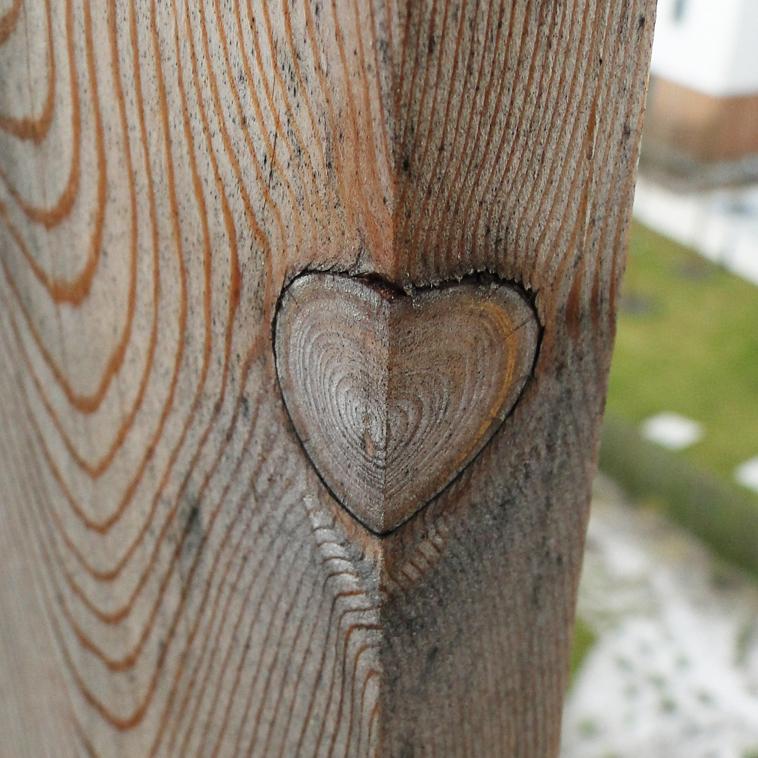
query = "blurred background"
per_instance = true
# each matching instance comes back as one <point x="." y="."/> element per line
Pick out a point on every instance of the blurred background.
<point x="666" y="647"/>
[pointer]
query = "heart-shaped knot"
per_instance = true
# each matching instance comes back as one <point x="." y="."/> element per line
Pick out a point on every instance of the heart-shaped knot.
<point x="392" y="395"/>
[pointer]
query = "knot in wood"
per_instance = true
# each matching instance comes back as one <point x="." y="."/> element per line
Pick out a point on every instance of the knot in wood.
<point x="393" y="395"/>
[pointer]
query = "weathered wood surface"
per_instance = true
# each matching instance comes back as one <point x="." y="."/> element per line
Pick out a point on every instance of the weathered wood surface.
<point x="176" y="579"/>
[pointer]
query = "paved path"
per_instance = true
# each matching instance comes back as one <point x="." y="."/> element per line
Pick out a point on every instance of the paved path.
<point x="674" y="673"/>
<point x="720" y="224"/>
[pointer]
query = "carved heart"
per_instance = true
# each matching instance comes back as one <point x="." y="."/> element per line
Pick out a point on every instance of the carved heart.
<point x="393" y="395"/>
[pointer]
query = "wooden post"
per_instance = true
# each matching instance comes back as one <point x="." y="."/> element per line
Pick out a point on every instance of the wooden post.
<point x="250" y="507"/>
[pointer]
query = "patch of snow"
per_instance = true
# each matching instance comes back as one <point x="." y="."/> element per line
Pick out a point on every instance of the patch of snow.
<point x="747" y="474"/>
<point x="674" y="672"/>
<point x="720" y="224"/>
<point x="672" y="430"/>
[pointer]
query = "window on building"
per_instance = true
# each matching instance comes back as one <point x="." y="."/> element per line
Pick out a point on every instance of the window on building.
<point x="680" y="9"/>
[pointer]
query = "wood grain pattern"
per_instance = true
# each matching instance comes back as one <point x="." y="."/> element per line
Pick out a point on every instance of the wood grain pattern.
<point x="176" y="580"/>
<point x="392" y="395"/>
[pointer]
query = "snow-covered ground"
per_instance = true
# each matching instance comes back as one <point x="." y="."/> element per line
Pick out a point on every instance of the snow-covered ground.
<point x="721" y="224"/>
<point x="674" y="672"/>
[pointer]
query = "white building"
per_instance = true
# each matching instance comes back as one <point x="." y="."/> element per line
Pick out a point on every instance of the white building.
<point x="703" y="103"/>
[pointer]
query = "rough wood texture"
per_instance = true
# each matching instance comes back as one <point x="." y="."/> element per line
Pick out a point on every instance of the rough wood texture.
<point x="393" y="395"/>
<point x="176" y="579"/>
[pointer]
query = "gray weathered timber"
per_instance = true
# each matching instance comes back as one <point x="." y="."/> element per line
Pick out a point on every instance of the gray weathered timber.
<point x="175" y="577"/>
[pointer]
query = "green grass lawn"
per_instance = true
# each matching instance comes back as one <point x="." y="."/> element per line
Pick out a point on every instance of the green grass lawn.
<point x="688" y="342"/>
<point x="584" y="639"/>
